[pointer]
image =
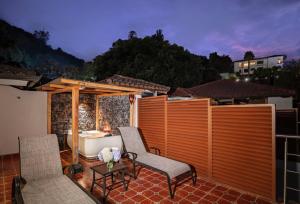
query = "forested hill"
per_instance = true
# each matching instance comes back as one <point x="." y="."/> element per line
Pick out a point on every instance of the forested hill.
<point x="153" y="58"/>
<point x="31" y="51"/>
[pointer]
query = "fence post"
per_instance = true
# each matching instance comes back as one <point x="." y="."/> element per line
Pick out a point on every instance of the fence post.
<point x="209" y="118"/>
<point x="166" y="125"/>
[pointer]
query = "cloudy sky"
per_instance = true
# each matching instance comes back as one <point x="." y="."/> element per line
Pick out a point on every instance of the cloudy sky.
<point x="86" y="28"/>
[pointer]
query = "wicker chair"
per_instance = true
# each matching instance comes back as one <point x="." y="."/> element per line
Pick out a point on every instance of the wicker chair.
<point x="41" y="177"/>
<point x="137" y="152"/>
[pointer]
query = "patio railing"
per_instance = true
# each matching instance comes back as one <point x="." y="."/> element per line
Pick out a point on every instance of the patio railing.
<point x="286" y="169"/>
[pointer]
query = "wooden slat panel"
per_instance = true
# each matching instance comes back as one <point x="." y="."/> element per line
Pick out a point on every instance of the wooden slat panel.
<point x="242" y="153"/>
<point x="151" y="116"/>
<point x="187" y="132"/>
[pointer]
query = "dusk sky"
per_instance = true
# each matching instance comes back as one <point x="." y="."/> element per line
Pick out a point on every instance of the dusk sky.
<point x="86" y="28"/>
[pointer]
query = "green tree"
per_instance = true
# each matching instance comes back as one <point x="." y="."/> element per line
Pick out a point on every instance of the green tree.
<point x="132" y="34"/>
<point x="249" y="55"/>
<point x="221" y="64"/>
<point x="42" y="35"/>
<point x="153" y="58"/>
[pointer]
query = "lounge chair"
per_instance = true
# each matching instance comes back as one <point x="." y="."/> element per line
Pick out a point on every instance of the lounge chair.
<point x="135" y="148"/>
<point x="41" y="177"/>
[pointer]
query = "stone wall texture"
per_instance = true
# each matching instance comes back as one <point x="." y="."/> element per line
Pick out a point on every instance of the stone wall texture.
<point x="61" y="117"/>
<point x="113" y="111"/>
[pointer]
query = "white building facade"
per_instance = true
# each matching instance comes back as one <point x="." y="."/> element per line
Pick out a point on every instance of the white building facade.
<point x="241" y="66"/>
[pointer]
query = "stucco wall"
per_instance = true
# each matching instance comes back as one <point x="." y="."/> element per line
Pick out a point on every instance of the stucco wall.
<point x="23" y="113"/>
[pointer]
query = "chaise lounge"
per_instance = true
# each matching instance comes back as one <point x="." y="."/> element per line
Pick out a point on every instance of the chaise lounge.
<point x="41" y="177"/>
<point x="136" y="151"/>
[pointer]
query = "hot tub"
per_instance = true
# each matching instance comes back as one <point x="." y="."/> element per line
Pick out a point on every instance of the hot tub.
<point x="91" y="142"/>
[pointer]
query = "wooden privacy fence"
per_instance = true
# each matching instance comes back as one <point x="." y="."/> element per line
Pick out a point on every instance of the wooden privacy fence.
<point x="233" y="144"/>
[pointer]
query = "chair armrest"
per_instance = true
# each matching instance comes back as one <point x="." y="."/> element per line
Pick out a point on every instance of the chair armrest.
<point x="156" y="150"/>
<point x="16" y="194"/>
<point x="134" y="155"/>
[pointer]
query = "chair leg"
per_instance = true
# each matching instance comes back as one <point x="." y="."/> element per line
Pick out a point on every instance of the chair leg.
<point x="134" y="169"/>
<point x="171" y="191"/>
<point x="194" y="176"/>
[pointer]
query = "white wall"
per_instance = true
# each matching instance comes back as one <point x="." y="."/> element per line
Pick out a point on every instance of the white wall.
<point x="281" y="103"/>
<point x="22" y="113"/>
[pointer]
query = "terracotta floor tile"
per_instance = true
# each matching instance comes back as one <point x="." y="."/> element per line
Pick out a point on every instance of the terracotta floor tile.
<point x="130" y="193"/>
<point x="156" y="198"/>
<point x="242" y="201"/>
<point x="221" y="188"/>
<point x="262" y="201"/>
<point x="182" y="193"/>
<point x="248" y="197"/>
<point x="230" y="197"/>
<point x="148" y="193"/>
<point x="164" y="193"/>
<point x="216" y="193"/>
<point x="233" y="192"/>
<point x="120" y="198"/>
<point x="149" y="187"/>
<point x="156" y="189"/>
<point x="204" y="201"/>
<point x="185" y="201"/>
<point x="193" y="198"/>
<point x="199" y="193"/>
<point x="211" y="198"/>
<point x="138" y="198"/>
<point x="222" y="201"/>
<point x="129" y="201"/>
<point x="146" y="201"/>
<point x="205" y="188"/>
<point x="166" y="201"/>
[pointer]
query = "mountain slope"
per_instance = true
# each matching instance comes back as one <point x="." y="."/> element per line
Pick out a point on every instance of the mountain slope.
<point x="20" y="47"/>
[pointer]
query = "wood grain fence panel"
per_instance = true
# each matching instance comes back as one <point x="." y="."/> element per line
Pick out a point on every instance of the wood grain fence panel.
<point x="243" y="147"/>
<point x="187" y="132"/>
<point x="151" y="119"/>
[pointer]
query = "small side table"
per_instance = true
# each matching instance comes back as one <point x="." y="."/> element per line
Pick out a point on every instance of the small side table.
<point x="104" y="172"/>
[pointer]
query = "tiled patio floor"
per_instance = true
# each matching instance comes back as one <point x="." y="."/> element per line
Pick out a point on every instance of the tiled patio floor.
<point x="150" y="187"/>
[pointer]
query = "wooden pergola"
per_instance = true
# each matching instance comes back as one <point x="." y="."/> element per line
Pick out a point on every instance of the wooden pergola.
<point x="75" y="87"/>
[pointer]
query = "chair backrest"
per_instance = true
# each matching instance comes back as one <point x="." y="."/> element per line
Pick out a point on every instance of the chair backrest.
<point x="132" y="140"/>
<point x="39" y="157"/>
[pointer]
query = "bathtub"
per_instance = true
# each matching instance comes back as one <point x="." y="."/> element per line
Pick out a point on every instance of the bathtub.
<point x="91" y="142"/>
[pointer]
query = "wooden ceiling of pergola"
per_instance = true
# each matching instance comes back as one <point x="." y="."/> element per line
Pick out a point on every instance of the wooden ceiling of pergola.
<point x="61" y="85"/>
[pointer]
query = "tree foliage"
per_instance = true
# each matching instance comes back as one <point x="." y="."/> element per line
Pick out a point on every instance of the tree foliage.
<point x="222" y="64"/>
<point x="249" y="55"/>
<point x="155" y="59"/>
<point x="42" y="35"/>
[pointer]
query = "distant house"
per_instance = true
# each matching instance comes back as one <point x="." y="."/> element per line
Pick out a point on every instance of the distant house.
<point x="151" y="87"/>
<point x="241" y="66"/>
<point x="231" y="92"/>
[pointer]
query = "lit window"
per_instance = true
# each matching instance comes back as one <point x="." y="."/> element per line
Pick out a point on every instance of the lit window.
<point x="253" y="63"/>
<point x="240" y="64"/>
<point x="279" y="61"/>
<point x="245" y="64"/>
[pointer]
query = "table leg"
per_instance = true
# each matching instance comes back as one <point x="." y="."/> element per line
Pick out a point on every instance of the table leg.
<point x="104" y="188"/>
<point x="112" y="178"/>
<point x="93" y="183"/>
<point x="123" y="180"/>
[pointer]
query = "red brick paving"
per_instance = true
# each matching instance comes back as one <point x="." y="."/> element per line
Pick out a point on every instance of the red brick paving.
<point x="149" y="187"/>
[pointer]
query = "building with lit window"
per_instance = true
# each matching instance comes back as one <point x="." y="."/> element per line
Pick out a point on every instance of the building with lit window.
<point x="245" y="67"/>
